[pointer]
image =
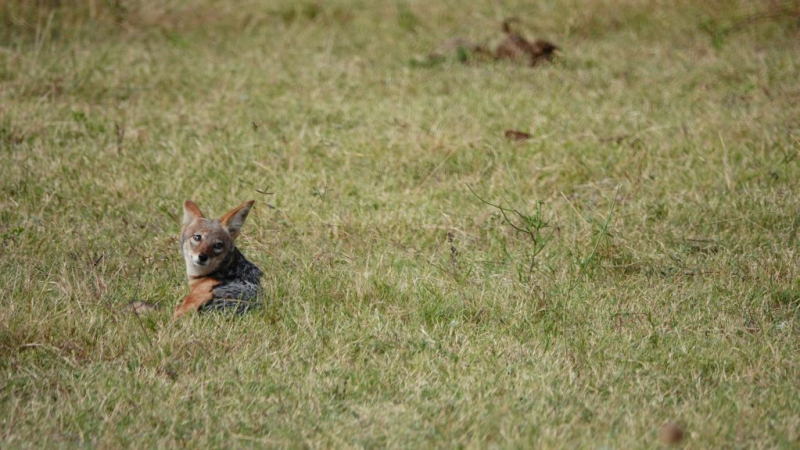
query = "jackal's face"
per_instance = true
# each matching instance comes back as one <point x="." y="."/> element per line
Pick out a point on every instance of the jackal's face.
<point x="205" y="243"/>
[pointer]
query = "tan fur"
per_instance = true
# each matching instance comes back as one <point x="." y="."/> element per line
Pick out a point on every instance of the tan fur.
<point x="198" y="296"/>
<point x="234" y="219"/>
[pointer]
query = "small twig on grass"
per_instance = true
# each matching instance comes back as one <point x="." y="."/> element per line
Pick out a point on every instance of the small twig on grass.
<point x="38" y="345"/>
<point x="264" y="191"/>
<point x="119" y="133"/>
<point x="453" y="251"/>
<point x="531" y="226"/>
<point x="501" y="208"/>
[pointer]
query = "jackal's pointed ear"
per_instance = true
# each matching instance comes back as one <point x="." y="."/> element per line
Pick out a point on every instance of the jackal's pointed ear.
<point x="191" y="212"/>
<point x="235" y="218"/>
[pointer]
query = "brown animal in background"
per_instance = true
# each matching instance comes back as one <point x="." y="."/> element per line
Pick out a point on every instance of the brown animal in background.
<point x="516" y="48"/>
<point x="513" y="48"/>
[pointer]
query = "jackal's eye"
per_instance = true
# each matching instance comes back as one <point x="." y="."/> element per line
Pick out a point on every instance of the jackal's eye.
<point x="196" y="238"/>
<point x="218" y="246"/>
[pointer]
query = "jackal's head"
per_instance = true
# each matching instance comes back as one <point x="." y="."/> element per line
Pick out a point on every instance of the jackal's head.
<point x="205" y="243"/>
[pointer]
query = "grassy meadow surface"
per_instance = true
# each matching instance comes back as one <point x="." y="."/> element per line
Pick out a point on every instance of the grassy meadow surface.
<point x="640" y="264"/>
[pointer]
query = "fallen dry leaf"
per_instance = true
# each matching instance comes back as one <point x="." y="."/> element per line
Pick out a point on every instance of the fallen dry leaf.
<point x="140" y="307"/>
<point x="670" y="433"/>
<point x="514" y="135"/>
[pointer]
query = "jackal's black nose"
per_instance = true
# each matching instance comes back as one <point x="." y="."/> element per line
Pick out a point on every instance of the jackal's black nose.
<point x="202" y="257"/>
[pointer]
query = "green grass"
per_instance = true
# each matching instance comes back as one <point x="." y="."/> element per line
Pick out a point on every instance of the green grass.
<point x="661" y="180"/>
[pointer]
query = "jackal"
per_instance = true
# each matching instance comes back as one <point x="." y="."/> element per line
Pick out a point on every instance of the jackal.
<point x="220" y="277"/>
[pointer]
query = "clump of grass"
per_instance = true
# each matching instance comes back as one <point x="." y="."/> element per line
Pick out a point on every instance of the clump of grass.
<point x="529" y="224"/>
<point x="718" y="29"/>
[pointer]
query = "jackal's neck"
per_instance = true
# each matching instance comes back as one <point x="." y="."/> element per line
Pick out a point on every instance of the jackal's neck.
<point x="226" y="269"/>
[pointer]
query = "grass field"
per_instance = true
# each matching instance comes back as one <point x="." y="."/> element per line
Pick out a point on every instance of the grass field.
<point x="656" y="278"/>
